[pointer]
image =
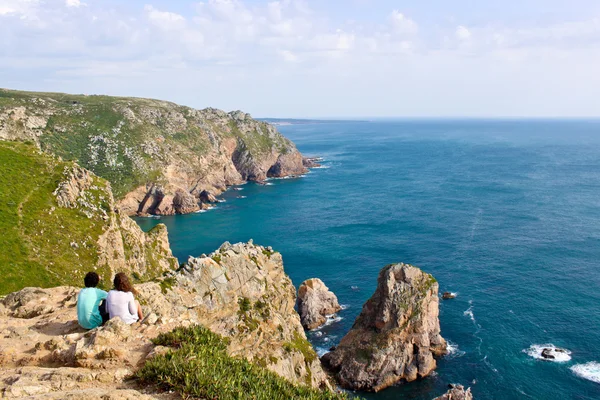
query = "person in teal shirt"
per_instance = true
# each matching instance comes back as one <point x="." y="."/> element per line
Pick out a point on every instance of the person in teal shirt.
<point x="89" y="303"/>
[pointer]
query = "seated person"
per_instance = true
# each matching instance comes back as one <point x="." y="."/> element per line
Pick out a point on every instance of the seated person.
<point x="120" y="301"/>
<point x="90" y="303"/>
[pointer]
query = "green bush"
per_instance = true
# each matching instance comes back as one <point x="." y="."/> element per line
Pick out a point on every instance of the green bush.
<point x="198" y="366"/>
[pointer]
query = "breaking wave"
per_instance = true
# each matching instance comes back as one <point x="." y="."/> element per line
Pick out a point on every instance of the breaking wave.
<point x="535" y="351"/>
<point x="589" y="371"/>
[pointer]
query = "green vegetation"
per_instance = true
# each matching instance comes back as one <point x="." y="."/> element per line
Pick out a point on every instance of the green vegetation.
<point x="167" y="284"/>
<point x="43" y="244"/>
<point x="128" y="141"/>
<point x="198" y="366"/>
<point x="301" y="345"/>
<point x="46" y="245"/>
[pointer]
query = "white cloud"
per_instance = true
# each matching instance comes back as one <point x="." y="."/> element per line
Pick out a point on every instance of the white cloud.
<point x="163" y="19"/>
<point x="463" y="33"/>
<point x="403" y="25"/>
<point x="288" y="56"/>
<point x="222" y="50"/>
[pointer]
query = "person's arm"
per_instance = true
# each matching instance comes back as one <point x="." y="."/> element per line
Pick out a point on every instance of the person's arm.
<point x="134" y="308"/>
<point x="101" y="294"/>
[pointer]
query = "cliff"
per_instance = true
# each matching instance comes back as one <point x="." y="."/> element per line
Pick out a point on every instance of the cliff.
<point x="240" y="292"/>
<point x="396" y="334"/>
<point x="158" y="156"/>
<point x="60" y="221"/>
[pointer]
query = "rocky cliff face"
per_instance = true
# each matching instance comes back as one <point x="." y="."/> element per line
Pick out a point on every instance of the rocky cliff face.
<point x="59" y="221"/>
<point x="395" y="336"/>
<point x="158" y="156"/>
<point x="315" y="302"/>
<point x="240" y="291"/>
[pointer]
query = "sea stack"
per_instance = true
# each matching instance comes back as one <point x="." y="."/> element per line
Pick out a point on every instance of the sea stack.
<point x="315" y="302"/>
<point x="395" y="336"/>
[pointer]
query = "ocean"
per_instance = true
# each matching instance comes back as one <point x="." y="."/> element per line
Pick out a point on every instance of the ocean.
<point x="505" y="213"/>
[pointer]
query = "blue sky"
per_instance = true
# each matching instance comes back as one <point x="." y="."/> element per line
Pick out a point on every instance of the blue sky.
<point x="328" y="58"/>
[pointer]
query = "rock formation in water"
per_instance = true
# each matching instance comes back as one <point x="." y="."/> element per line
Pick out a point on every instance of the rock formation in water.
<point x="456" y="392"/>
<point x="315" y="302"/>
<point x="158" y="156"/>
<point x="240" y="291"/>
<point x="395" y="336"/>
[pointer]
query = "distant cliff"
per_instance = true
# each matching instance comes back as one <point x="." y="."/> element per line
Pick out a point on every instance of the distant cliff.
<point x="160" y="158"/>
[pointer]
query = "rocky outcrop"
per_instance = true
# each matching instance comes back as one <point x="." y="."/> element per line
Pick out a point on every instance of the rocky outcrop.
<point x="315" y="302"/>
<point x="395" y="336"/>
<point x="448" y="296"/>
<point x="122" y="246"/>
<point x="240" y="291"/>
<point x="456" y="392"/>
<point x="159" y="157"/>
<point x="66" y="223"/>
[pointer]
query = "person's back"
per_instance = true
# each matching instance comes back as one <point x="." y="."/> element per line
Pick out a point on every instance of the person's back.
<point x="88" y="303"/>
<point x="120" y="301"/>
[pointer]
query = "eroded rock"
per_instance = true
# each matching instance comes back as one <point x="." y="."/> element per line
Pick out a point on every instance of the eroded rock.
<point x="395" y="336"/>
<point x="456" y="392"/>
<point x="315" y="302"/>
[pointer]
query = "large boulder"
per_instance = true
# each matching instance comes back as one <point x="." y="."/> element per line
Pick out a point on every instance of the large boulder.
<point x="396" y="335"/>
<point x="456" y="392"/>
<point x="315" y="302"/>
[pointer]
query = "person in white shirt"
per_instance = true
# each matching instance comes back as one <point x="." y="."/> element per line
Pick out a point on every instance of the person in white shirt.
<point x="120" y="301"/>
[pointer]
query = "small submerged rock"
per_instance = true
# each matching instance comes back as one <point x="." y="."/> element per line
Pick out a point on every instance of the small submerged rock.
<point x="550" y="354"/>
<point x="448" y="295"/>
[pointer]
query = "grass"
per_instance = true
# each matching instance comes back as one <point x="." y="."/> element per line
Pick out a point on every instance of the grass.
<point x="45" y="245"/>
<point x="198" y="365"/>
<point x="37" y="236"/>
<point x="111" y="135"/>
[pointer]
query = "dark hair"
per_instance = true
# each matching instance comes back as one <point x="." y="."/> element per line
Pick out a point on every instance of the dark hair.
<point x="123" y="284"/>
<point x="91" y="279"/>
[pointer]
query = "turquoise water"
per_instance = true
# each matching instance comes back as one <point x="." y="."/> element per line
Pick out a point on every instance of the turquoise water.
<point x="505" y="213"/>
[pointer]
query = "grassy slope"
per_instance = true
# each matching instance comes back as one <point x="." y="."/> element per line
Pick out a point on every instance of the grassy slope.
<point x="78" y="121"/>
<point x="198" y="366"/>
<point x="35" y="245"/>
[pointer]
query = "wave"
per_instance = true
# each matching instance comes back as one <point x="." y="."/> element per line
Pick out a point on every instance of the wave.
<point x="469" y="313"/>
<point x="344" y="306"/>
<point x="242" y="197"/>
<point x="322" y="167"/>
<point x="331" y="319"/>
<point x="589" y="371"/>
<point x="321" y="351"/>
<point x="355" y="288"/>
<point x="454" y="351"/>
<point x="535" y="351"/>
<point x="203" y="211"/>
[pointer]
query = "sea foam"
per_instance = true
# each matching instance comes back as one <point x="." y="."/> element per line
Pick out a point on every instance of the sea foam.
<point x="589" y="371"/>
<point x="535" y="351"/>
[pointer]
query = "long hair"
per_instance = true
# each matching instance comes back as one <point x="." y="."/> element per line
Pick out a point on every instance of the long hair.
<point x="123" y="284"/>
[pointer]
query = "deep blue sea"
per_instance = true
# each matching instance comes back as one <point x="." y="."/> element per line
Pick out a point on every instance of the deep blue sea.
<point x="504" y="213"/>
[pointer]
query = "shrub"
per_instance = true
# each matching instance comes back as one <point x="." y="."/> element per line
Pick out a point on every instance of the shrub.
<point x="198" y="366"/>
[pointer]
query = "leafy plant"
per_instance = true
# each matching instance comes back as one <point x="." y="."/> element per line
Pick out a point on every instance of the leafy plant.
<point x="198" y="366"/>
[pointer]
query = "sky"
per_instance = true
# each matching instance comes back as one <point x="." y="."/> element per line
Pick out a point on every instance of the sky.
<point x="314" y="59"/>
